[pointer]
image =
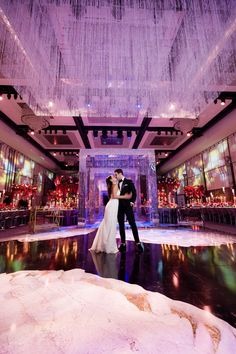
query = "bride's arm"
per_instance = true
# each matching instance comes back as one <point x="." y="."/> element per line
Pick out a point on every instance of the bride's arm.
<point x="114" y="191"/>
<point x="126" y="196"/>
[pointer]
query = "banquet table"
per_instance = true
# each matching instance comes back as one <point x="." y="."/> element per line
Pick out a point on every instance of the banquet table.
<point x="216" y="215"/>
<point x="65" y="217"/>
<point x="167" y="215"/>
<point x="10" y="219"/>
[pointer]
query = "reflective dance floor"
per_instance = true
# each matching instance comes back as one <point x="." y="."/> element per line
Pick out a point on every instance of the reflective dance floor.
<point x="204" y="276"/>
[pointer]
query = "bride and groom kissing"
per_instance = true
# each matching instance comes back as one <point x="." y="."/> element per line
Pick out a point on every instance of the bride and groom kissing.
<point x="122" y="196"/>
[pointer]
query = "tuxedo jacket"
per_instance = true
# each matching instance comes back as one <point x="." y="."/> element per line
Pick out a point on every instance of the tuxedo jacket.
<point x="128" y="187"/>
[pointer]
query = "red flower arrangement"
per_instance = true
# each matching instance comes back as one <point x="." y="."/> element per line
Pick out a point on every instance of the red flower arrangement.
<point x="25" y="190"/>
<point x="65" y="186"/>
<point x="168" y="184"/>
<point x="194" y="192"/>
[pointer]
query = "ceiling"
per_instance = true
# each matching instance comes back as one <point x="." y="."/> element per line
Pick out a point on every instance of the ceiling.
<point x="115" y="74"/>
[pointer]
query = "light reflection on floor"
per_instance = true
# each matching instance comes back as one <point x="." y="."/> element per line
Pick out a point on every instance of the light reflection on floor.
<point x="204" y="276"/>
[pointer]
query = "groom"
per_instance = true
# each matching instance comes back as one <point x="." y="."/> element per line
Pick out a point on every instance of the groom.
<point x="126" y="186"/>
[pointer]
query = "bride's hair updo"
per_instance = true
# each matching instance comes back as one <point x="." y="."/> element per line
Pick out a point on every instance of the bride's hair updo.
<point x="109" y="185"/>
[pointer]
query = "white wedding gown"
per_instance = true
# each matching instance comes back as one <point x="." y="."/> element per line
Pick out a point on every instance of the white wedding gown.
<point x="105" y="239"/>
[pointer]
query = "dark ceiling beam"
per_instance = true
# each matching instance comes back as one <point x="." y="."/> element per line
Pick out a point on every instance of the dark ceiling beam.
<point x="6" y="89"/>
<point x="62" y="150"/>
<point x="145" y="123"/>
<point x="82" y="131"/>
<point x="201" y="131"/>
<point x="22" y="132"/>
<point x="104" y="127"/>
<point x="227" y="95"/>
<point x="110" y="127"/>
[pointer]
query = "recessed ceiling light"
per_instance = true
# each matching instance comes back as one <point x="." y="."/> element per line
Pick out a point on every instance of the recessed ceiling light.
<point x="54" y="154"/>
<point x="50" y="104"/>
<point x="222" y="102"/>
<point x="166" y="154"/>
<point x="32" y="132"/>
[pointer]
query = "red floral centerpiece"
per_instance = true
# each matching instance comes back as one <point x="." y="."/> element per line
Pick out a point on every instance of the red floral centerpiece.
<point x="66" y="190"/>
<point x="194" y="192"/>
<point x="24" y="190"/>
<point x="167" y="186"/>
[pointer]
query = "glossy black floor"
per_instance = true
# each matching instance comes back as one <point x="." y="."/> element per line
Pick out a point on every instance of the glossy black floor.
<point x="202" y="276"/>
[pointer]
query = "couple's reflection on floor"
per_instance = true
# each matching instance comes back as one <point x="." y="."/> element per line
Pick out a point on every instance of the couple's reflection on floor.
<point x="110" y="265"/>
<point x="105" y="264"/>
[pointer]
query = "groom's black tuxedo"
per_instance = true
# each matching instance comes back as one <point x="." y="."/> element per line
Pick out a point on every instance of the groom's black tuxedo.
<point x="128" y="187"/>
<point x="126" y="209"/>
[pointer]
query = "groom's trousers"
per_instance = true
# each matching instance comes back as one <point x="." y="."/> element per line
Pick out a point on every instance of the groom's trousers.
<point x="128" y="211"/>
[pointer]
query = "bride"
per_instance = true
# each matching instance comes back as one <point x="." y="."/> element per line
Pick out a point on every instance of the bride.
<point x="105" y="239"/>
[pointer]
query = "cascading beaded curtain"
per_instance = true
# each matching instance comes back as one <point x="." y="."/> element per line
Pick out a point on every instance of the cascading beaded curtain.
<point x="118" y="57"/>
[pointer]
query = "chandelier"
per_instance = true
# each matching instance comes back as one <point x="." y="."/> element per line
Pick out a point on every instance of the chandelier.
<point x="185" y="125"/>
<point x="35" y="122"/>
<point x="98" y="58"/>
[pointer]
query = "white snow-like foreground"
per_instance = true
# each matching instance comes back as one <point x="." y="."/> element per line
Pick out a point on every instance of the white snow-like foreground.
<point x="75" y="312"/>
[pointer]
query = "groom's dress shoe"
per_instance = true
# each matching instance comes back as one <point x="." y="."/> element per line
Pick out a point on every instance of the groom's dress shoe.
<point x="122" y="247"/>
<point x="140" y="247"/>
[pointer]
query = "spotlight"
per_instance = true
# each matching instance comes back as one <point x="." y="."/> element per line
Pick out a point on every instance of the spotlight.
<point x="95" y="133"/>
<point x="120" y="134"/>
<point x="222" y="102"/>
<point x="88" y="105"/>
<point x="15" y="96"/>
<point x="54" y="154"/>
<point x="166" y="154"/>
<point x="215" y="101"/>
<point x="1" y="98"/>
<point x="129" y="134"/>
<point x="157" y="162"/>
<point x="104" y="133"/>
<point x="189" y="133"/>
<point x="9" y="96"/>
<point x="32" y="132"/>
<point x="64" y="131"/>
<point x="66" y="164"/>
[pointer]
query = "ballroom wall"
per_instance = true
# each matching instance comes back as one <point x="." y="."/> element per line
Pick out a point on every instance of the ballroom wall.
<point x="214" y="167"/>
<point x="16" y="168"/>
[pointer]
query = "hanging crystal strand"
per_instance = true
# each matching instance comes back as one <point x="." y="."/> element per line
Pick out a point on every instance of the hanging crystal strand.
<point x="168" y="54"/>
